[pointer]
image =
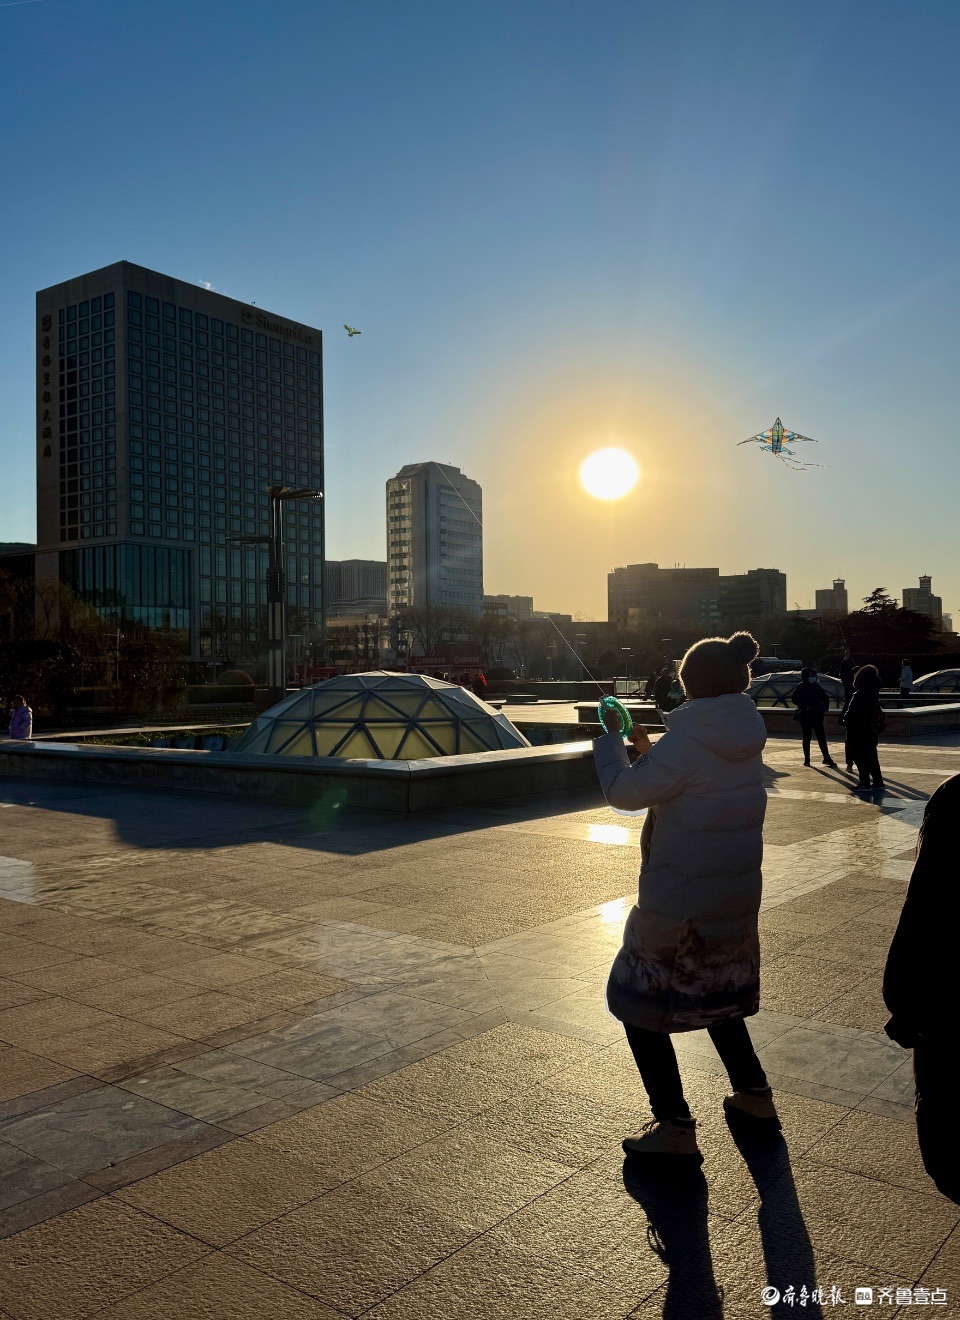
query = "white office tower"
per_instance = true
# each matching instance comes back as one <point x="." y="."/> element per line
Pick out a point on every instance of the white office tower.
<point x="434" y="539"/>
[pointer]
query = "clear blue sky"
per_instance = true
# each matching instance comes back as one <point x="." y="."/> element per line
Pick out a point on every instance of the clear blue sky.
<point x="556" y="224"/>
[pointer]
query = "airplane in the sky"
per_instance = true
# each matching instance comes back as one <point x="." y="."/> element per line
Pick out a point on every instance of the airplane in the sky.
<point x="351" y="331"/>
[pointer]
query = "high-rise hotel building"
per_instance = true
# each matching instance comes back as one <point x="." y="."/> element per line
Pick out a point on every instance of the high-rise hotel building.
<point x="164" y="410"/>
<point x="434" y="539"/>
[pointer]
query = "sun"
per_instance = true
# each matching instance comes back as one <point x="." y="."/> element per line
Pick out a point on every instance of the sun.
<point x="609" y="474"/>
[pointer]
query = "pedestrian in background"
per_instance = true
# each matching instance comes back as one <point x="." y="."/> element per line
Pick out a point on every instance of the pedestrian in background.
<point x="848" y="672"/>
<point x="690" y="957"/>
<point x="919" y="986"/>
<point x="661" y="689"/>
<point x="864" y="721"/>
<point x="21" y="718"/>
<point x="906" y="678"/>
<point x="812" y="703"/>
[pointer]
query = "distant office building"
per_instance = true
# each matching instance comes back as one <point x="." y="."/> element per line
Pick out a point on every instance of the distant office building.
<point x="644" y="594"/>
<point x="922" y="600"/>
<point x="833" y="600"/>
<point x="518" y="608"/>
<point x="355" y="586"/>
<point x="164" y="410"/>
<point x="434" y="539"/>
<point x="760" y="593"/>
<point x="946" y="623"/>
<point x="562" y="620"/>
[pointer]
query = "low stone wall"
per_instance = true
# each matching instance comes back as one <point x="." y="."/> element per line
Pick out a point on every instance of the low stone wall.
<point x="392" y="786"/>
<point x="902" y="723"/>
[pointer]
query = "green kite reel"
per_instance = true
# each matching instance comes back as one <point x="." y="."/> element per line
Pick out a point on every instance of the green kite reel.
<point x="611" y="703"/>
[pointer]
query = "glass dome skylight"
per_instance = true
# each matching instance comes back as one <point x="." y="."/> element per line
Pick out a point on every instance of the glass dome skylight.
<point x="775" y="689"/>
<point x="380" y="716"/>
<point x="941" y="680"/>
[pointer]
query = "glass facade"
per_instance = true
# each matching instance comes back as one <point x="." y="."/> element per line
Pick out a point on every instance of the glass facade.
<point x="172" y="423"/>
<point x="86" y="365"/>
<point x="148" y="584"/>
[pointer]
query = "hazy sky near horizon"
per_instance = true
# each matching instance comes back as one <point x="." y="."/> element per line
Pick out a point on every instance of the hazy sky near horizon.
<point x="559" y="226"/>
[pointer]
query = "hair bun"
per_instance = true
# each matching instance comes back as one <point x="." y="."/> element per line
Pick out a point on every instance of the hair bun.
<point x="743" y="647"/>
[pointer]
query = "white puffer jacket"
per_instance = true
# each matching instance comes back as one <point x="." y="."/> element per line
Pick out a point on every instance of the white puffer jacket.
<point x="691" y="954"/>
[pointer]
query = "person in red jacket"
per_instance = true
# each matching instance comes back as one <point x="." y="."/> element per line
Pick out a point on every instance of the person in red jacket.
<point x="919" y="986"/>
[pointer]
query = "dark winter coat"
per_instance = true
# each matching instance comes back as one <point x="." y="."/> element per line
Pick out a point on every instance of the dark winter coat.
<point x="661" y="691"/>
<point x="811" y="701"/>
<point x="691" y="953"/>
<point x="862" y="716"/>
<point x="920" y="979"/>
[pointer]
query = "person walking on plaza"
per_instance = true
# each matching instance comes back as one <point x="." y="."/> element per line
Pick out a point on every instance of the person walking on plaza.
<point x="690" y="957"/>
<point x="812" y="703"/>
<point x="864" y="721"/>
<point x="919" y="986"/>
<point x="661" y="689"/>
<point x="21" y="718"/>
<point x="906" y="678"/>
<point x="848" y="672"/>
<point x="479" y="684"/>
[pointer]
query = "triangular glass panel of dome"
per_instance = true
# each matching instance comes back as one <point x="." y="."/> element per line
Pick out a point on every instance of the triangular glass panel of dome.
<point x="416" y="747"/>
<point x="407" y="702"/>
<point x="301" y="744"/>
<point x="330" y="703"/>
<point x="254" y="740"/>
<point x="300" y="703"/>
<point x="482" y="733"/>
<point x="357" y="746"/>
<point x="374" y="708"/>
<point x="387" y="737"/>
<point x="330" y="735"/>
<point x="281" y="732"/>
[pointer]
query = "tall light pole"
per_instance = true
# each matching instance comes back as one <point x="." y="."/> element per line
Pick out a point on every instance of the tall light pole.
<point x="580" y="638"/>
<point x="276" y="585"/>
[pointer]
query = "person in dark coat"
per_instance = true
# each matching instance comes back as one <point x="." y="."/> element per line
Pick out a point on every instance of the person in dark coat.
<point x="661" y="689"/>
<point x="919" y="986"/>
<point x="848" y="672"/>
<point x="812" y="703"/>
<point x="864" y="720"/>
<point x="479" y="684"/>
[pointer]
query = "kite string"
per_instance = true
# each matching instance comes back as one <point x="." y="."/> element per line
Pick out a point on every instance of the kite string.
<point x="572" y="649"/>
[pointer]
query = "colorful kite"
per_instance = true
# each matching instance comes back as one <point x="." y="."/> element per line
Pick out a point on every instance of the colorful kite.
<point x="776" y="442"/>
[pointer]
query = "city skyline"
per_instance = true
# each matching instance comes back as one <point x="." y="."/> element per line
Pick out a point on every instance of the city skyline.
<point x="690" y="249"/>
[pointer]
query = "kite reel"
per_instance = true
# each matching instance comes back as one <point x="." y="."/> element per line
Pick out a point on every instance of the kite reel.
<point x="611" y="703"/>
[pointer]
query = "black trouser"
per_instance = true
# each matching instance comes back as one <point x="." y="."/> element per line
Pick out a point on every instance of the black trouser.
<point x="933" y="1064"/>
<point x="656" y="1060"/>
<point x="863" y="753"/>
<point x="814" y="726"/>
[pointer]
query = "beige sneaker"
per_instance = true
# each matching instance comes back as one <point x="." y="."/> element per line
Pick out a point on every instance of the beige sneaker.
<point x="664" y="1139"/>
<point x="757" y="1110"/>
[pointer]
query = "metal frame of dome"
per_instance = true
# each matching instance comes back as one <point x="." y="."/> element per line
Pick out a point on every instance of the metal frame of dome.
<point x="380" y="716"/>
<point x="781" y="684"/>
<point x="941" y="680"/>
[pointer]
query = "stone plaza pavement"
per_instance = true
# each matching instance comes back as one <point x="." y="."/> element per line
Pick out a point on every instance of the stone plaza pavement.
<point x="261" y="1063"/>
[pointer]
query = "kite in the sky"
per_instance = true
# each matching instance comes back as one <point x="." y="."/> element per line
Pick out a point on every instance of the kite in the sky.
<point x="351" y="331"/>
<point x="776" y="442"/>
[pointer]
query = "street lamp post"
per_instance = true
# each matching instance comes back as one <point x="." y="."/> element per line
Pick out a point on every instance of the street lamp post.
<point x="580" y="638"/>
<point x="276" y="585"/>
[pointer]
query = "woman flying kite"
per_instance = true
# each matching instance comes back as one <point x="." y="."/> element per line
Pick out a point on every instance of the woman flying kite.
<point x="775" y="441"/>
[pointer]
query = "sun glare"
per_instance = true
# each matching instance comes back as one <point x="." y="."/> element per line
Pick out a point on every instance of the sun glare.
<point x="609" y="474"/>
